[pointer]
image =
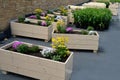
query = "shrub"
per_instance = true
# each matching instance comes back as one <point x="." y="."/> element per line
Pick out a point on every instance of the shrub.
<point x="98" y="18"/>
<point x="33" y="49"/>
<point x="113" y="1"/>
<point x="21" y="19"/>
<point x="84" y="32"/>
<point x="23" y="48"/>
<point x="90" y="28"/>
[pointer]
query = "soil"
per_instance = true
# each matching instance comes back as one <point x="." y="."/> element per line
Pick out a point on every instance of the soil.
<point x="37" y="54"/>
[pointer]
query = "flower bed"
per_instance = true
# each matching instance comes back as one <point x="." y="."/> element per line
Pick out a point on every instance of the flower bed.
<point x="80" y="39"/>
<point x="33" y="66"/>
<point x="30" y="30"/>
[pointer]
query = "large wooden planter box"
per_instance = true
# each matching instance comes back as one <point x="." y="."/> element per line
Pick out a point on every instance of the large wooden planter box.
<point x="77" y="41"/>
<point x="33" y="31"/>
<point x="35" y="67"/>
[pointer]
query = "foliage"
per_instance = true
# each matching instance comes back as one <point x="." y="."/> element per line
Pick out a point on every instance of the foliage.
<point x="107" y="2"/>
<point x="63" y="11"/>
<point x="113" y="1"/>
<point x="60" y="26"/>
<point x="37" y="16"/>
<point x="84" y="32"/>
<point x="49" y="11"/>
<point x="90" y="28"/>
<point x="23" y="48"/>
<point x="21" y="19"/>
<point x="61" y="50"/>
<point x="33" y="49"/>
<point x="56" y="57"/>
<point x="39" y="22"/>
<point x="98" y="18"/>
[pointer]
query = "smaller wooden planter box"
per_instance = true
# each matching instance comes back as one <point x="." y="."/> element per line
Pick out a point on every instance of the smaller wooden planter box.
<point x="35" y="67"/>
<point x="64" y="17"/>
<point x="34" y="31"/>
<point x="77" y="41"/>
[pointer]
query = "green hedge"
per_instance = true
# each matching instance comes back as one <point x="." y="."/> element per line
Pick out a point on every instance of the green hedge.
<point x="98" y="18"/>
<point x="113" y="1"/>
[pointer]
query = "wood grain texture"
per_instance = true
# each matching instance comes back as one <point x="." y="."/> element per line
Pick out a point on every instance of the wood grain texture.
<point x="33" y="31"/>
<point x="35" y="67"/>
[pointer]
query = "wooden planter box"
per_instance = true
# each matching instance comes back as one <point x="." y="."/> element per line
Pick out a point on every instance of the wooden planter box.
<point x="33" y="31"/>
<point x="77" y="41"/>
<point x="64" y="17"/>
<point x="35" y="67"/>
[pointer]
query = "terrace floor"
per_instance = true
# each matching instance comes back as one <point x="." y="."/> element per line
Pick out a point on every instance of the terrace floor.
<point x="87" y="65"/>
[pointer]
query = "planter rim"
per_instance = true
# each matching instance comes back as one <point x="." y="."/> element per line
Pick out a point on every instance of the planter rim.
<point x="76" y="34"/>
<point x="2" y="48"/>
<point x="14" y="21"/>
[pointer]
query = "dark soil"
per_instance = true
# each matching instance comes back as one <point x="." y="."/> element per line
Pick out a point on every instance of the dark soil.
<point x="37" y="54"/>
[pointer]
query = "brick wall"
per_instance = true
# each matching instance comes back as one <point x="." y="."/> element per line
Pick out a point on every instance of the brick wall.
<point x="10" y="9"/>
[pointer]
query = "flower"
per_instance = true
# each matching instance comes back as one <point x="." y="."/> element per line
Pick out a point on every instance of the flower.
<point x="38" y="11"/>
<point x="59" y="44"/>
<point x="43" y="23"/>
<point x="33" y="17"/>
<point x="47" y="51"/>
<point x="16" y="44"/>
<point x="43" y="14"/>
<point x="69" y="29"/>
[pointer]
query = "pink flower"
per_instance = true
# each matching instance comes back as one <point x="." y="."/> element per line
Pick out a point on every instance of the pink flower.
<point x="16" y="44"/>
<point x="33" y="17"/>
<point x="43" y="14"/>
<point x="43" y="23"/>
<point x="69" y="29"/>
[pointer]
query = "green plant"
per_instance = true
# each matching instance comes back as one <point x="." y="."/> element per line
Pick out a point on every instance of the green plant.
<point x="61" y="29"/>
<point x="23" y="48"/>
<point x="48" y="23"/>
<point x="61" y="50"/>
<point x="90" y="28"/>
<point x="98" y="18"/>
<point x="113" y="1"/>
<point x="84" y="32"/>
<point x="49" y="11"/>
<point x="38" y="16"/>
<point x="56" y="58"/>
<point x="60" y="26"/>
<point x="21" y="19"/>
<point x="39" y="22"/>
<point x="33" y="49"/>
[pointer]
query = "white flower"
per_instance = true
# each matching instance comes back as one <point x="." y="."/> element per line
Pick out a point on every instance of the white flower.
<point x="46" y="51"/>
<point x="58" y="18"/>
<point x="91" y="33"/>
<point x="26" y="20"/>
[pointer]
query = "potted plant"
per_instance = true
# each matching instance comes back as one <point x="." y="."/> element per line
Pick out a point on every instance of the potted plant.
<point x="25" y="27"/>
<point x="79" y="39"/>
<point x="60" y="11"/>
<point x="35" y="61"/>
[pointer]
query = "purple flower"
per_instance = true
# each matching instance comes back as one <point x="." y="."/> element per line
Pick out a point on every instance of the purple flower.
<point x="43" y="14"/>
<point x="69" y="29"/>
<point x="33" y="17"/>
<point x="16" y="44"/>
<point x="43" y="23"/>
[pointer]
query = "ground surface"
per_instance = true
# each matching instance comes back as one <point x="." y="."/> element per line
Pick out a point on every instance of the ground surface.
<point x="89" y="66"/>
